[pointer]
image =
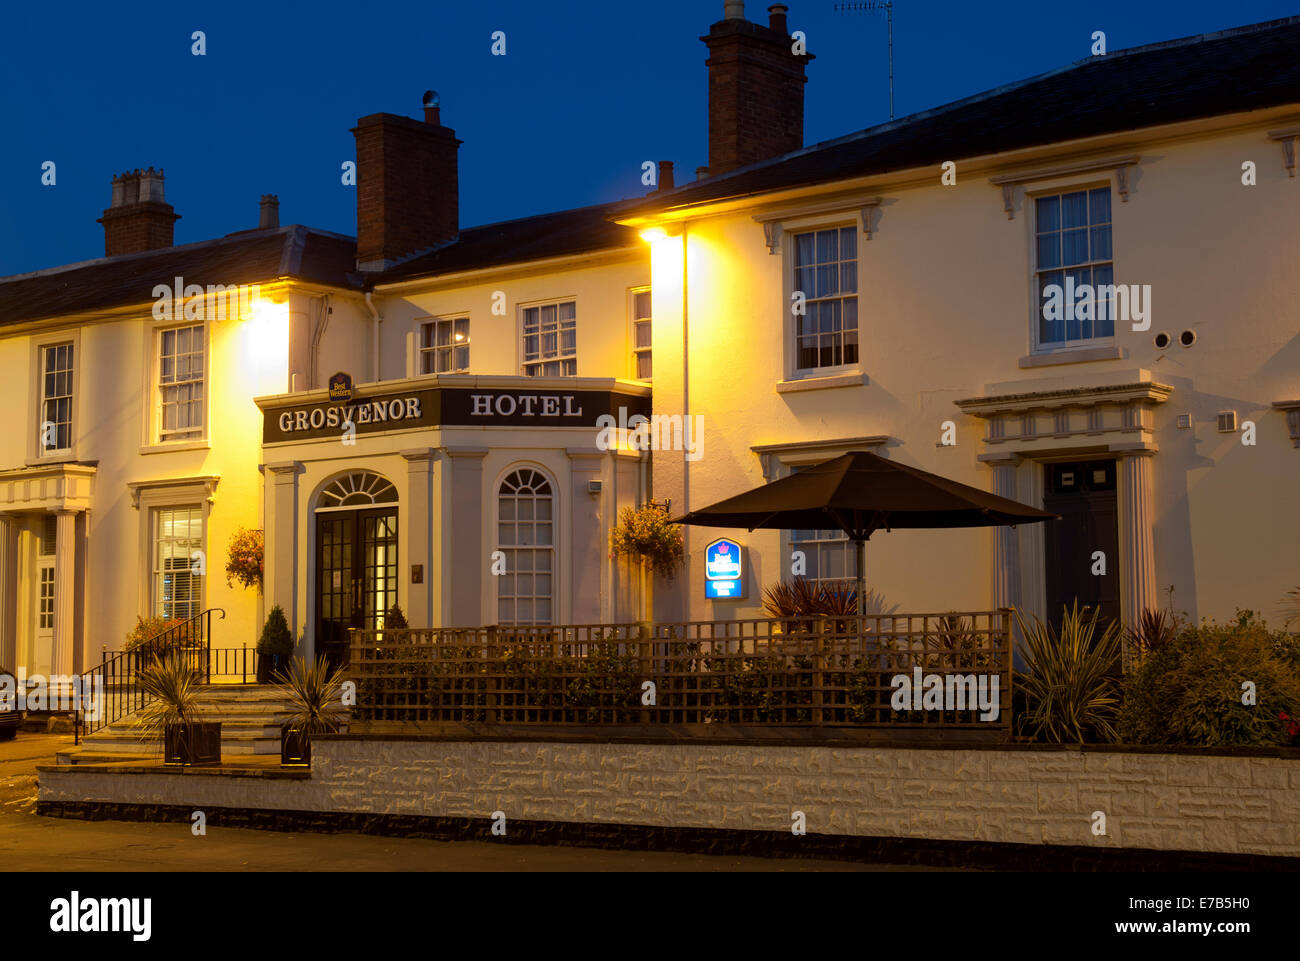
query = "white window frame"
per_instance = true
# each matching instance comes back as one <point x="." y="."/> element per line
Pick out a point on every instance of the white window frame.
<point x="1031" y="198"/>
<point x="634" y="369"/>
<point x="153" y="440"/>
<point x="432" y="352"/>
<point x="552" y="549"/>
<point x="43" y="416"/>
<point x="156" y="572"/>
<point x="36" y="453"/>
<point x="788" y="231"/>
<point x="561" y="358"/>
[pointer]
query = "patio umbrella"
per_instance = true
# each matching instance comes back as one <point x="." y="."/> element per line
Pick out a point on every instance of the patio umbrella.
<point x="861" y="493"/>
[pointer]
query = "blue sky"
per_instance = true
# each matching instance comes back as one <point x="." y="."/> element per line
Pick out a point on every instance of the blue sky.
<point x="587" y="91"/>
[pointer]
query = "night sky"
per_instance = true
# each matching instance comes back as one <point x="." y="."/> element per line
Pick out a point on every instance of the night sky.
<point x="585" y="93"/>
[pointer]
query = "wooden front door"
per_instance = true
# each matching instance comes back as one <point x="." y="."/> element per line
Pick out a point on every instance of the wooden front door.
<point x="1083" y="493"/>
<point x="356" y="575"/>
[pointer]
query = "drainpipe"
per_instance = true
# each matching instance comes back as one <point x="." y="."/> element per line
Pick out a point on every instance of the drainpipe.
<point x="686" y="414"/>
<point x="313" y="374"/>
<point x="374" y="336"/>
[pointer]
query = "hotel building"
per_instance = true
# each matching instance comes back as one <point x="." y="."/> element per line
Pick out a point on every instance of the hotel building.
<point x="403" y="410"/>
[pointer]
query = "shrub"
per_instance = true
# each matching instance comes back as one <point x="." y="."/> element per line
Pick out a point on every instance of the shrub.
<point x="1190" y="691"/>
<point x="148" y="628"/>
<point x="1070" y="684"/>
<point x="275" y="638"/>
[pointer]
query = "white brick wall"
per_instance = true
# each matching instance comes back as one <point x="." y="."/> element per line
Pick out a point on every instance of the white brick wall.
<point x="1221" y="804"/>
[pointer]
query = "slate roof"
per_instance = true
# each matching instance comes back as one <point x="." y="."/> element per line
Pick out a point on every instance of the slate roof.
<point x="559" y="234"/>
<point x="248" y="257"/>
<point x="1247" y="68"/>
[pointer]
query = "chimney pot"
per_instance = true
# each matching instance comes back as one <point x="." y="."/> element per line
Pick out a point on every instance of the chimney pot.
<point x="665" y="175"/>
<point x="733" y="10"/>
<point x="268" y="212"/>
<point x="432" y="108"/>
<point x="776" y="18"/>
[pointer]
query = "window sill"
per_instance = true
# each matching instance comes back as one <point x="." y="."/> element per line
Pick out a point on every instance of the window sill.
<point x="1073" y="356"/>
<point x="175" y="446"/>
<point x="821" y="383"/>
<point x="63" y="457"/>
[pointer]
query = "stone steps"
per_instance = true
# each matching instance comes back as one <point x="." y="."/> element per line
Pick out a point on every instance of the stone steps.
<point x="251" y="717"/>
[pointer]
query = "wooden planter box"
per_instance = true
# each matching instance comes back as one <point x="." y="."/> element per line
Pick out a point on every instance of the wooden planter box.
<point x="197" y="744"/>
<point x="295" y="748"/>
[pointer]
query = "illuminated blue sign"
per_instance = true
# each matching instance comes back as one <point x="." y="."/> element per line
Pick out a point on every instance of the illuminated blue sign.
<point x="723" y="572"/>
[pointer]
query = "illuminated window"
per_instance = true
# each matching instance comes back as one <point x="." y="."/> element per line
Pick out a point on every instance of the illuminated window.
<point x="444" y="346"/>
<point x="180" y="383"/>
<point x="177" y="585"/>
<point x="826" y="271"/>
<point x="551" y="340"/>
<point x="1072" y="233"/>
<point x="56" y="398"/>
<point x="641" y="334"/>
<point x="525" y="535"/>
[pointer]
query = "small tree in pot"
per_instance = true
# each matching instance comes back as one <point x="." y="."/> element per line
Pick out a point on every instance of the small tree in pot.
<point x="274" y="647"/>
<point x="314" y="693"/>
<point x="173" y="713"/>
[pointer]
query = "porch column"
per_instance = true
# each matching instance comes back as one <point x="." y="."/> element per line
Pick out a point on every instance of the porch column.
<point x="65" y="591"/>
<point x="8" y="596"/>
<point x="464" y="571"/>
<point x="1136" y="538"/>
<point x="418" y="526"/>
<point x="1006" y="541"/>
<point x="280" y="564"/>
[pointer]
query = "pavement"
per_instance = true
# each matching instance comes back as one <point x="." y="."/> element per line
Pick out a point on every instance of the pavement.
<point x="32" y="843"/>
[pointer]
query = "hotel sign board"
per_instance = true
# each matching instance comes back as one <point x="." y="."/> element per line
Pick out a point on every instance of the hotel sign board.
<point x="724" y="575"/>
<point x="447" y="407"/>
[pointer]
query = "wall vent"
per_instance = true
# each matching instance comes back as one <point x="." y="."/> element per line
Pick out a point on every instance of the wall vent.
<point x="1184" y="421"/>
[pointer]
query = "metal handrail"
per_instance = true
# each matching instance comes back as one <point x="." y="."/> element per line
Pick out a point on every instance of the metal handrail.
<point x="119" y="673"/>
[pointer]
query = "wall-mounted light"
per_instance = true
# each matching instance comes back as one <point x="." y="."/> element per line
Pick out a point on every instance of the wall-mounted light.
<point x="652" y="234"/>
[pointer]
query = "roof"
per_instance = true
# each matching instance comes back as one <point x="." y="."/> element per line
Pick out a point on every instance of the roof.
<point x="248" y="257"/>
<point x="563" y="233"/>
<point x="1247" y="68"/>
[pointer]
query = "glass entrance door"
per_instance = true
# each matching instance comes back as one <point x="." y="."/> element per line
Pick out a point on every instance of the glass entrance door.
<point x="356" y="575"/>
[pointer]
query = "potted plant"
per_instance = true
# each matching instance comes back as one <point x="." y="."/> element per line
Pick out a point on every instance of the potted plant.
<point x="314" y="693"/>
<point x="173" y="713"/>
<point x="274" y="647"/>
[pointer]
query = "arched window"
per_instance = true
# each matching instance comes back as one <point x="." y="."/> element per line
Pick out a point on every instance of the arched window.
<point x="525" y="535"/>
<point x="358" y="489"/>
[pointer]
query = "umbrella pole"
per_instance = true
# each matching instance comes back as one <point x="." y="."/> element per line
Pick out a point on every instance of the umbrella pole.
<point x="861" y="546"/>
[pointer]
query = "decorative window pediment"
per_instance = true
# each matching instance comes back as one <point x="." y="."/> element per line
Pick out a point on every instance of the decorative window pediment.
<point x="1116" y="417"/>
<point x="778" y="220"/>
<point x="1009" y="182"/>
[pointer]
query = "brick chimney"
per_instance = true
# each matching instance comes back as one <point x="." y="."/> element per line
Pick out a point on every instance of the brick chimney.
<point x="755" y="89"/>
<point x="139" y="217"/>
<point x="408" y="195"/>
<point x="268" y="212"/>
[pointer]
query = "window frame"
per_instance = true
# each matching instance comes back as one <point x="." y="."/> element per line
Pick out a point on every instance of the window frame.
<point x="553" y="548"/>
<point x="635" y="352"/>
<point x="155" y="572"/>
<point x="1031" y="197"/>
<point x="522" y="339"/>
<point x="451" y="347"/>
<point x="153" y="440"/>
<point x="790" y="229"/>
<point x="36" y="453"/>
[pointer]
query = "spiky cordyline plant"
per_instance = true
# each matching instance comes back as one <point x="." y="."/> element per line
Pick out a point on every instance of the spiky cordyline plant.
<point x="1154" y="630"/>
<point x="313" y="691"/>
<point x="174" y="687"/>
<point x="1069" y="683"/>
